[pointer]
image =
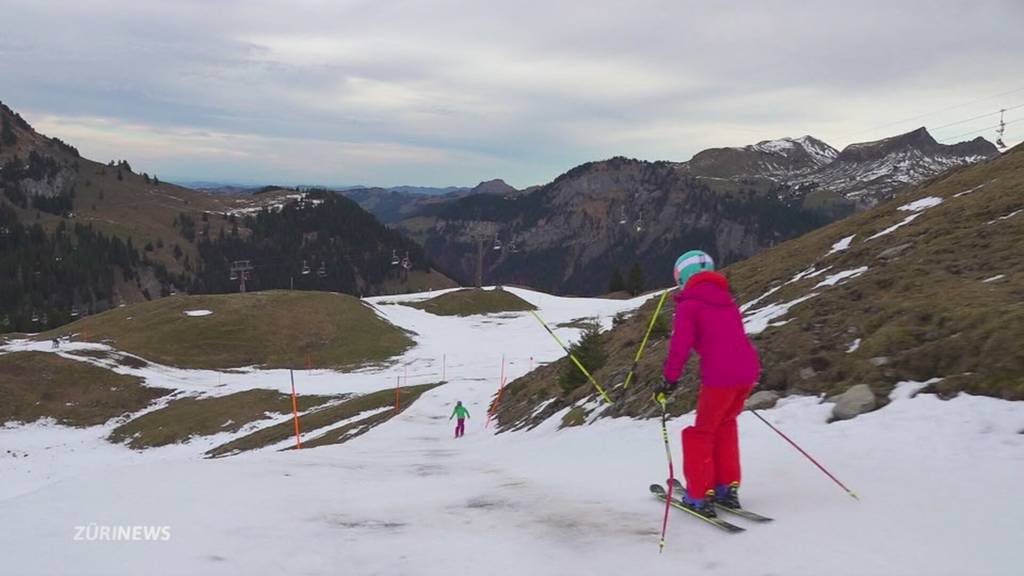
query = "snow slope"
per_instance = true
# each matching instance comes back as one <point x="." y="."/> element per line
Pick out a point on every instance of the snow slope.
<point x="406" y="498"/>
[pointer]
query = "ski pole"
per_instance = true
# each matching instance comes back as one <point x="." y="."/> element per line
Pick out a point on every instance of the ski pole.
<point x="643" y="344"/>
<point x="573" y="358"/>
<point x="660" y="398"/>
<point x="808" y="456"/>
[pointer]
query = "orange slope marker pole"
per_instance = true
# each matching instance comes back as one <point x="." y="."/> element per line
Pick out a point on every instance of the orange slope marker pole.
<point x="295" y="412"/>
<point x="497" y="403"/>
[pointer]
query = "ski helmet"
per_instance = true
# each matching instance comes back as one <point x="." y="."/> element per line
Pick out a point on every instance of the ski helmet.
<point x="691" y="263"/>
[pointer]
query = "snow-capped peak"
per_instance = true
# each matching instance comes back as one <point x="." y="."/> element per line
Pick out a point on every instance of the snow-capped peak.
<point x="819" y="152"/>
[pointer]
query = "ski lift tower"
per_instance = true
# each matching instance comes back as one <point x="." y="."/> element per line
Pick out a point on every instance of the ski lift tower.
<point x="241" y="270"/>
<point x="1001" y="130"/>
<point x="482" y="232"/>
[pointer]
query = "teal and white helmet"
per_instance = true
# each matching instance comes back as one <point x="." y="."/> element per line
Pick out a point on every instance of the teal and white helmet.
<point x="691" y="263"/>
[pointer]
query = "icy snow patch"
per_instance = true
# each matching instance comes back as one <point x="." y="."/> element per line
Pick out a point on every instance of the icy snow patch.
<point x="840" y="276"/>
<point x="841" y="245"/>
<point x="854" y="346"/>
<point x="197" y="313"/>
<point x="922" y="204"/>
<point x="994" y="278"/>
<point x="899" y="224"/>
<point x="759" y="320"/>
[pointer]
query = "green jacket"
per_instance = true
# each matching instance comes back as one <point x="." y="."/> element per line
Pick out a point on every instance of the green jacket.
<point x="460" y="411"/>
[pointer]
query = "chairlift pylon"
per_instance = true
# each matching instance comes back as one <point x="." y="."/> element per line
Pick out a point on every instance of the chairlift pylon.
<point x="1001" y="130"/>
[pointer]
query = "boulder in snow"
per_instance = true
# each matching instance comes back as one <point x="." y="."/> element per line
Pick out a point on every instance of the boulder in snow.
<point x="762" y="400"/>
<point x="854" y="402"/>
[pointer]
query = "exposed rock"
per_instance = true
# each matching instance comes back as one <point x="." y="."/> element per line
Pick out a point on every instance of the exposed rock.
<point x="895" y="251"/>
<point x="855" y="401"/>
<point x="762" y="400"/>
<point x="879" y="360"/>
<point x="807" y="373"/>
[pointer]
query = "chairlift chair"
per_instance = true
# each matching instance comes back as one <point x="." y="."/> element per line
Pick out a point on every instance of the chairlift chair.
<point x="622" y="216"/>
<point x="305" y="268"/>
<point x="394" y="258"/>
<point x="497" y="243"/>
<point x="233" y="275"/>
<point x="322" y="272"/>
<point x="406" y="263"/>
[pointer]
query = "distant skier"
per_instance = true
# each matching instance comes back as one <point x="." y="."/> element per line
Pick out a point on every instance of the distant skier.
<point x="460" y="413"/>
<point x="707" y="320"/>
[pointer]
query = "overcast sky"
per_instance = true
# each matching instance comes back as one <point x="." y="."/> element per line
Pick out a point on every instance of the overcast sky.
<point x="443" y="92"/>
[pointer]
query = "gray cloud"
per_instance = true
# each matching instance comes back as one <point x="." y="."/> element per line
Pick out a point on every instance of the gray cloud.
<point x="446" y="92"/>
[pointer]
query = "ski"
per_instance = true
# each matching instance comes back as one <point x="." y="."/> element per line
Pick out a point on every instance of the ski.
<point x="741" y="512"/>
<point x="659" y="493"/>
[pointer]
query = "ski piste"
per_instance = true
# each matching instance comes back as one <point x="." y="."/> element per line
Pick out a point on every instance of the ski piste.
<point x="659" y="493"/>
<point x="741" y="512"/>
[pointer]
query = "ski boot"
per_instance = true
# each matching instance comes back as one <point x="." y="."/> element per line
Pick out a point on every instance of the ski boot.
<point x="727" y="495"/>
<point x="704" y="506"/>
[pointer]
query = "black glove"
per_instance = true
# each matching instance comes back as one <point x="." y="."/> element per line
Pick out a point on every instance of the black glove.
<point x="665" y="387"/>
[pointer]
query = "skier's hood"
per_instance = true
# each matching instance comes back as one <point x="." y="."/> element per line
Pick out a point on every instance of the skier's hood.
<point x="708" y="287"/>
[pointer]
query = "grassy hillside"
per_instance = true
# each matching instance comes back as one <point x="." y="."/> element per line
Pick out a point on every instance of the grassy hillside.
<point x="273" y="329"/>
<point x="38" y="385"/>
<point x="941" y="296"/>
<point x="473" y="301"/>
<point x="182" y="419"/>
<point x="312" y="424"/>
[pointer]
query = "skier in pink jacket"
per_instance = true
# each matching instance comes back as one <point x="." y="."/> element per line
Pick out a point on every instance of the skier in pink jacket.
<point x="707" y="320"/>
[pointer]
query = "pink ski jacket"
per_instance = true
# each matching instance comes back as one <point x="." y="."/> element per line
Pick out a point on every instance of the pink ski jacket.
<point x="708" y="321"/>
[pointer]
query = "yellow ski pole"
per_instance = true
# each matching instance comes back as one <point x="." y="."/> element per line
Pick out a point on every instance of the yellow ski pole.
<point x="573" y="358"/>
<point x="643" y="344"/>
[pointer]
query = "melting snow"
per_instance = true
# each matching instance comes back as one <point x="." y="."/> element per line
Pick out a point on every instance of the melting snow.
<point x="841" y="245"/>
<point x="511" y="503"/>
<point x="759" y="320"/>
<point x="755" y="301"/>
<point x="994" y="278"/>
<point x="922" y="204"/>
<point x="196" y="313"/>
<point x="969" y="190"/>
<point x="899" y="224"/>
<point x="1007" y="217"/>
<point x="840" y="276"/>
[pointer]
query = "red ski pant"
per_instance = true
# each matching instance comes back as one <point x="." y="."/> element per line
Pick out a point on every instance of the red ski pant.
<point x="460" y="427"/>
<point x="711" y="451"/>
